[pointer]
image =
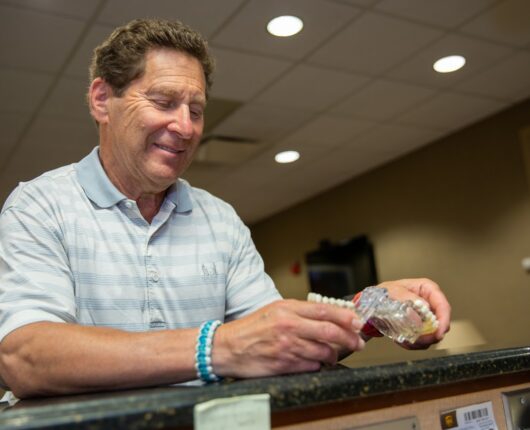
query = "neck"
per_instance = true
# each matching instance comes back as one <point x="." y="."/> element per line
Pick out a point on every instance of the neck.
<point x="149" y="205"/>
<point x="148" y="200"/>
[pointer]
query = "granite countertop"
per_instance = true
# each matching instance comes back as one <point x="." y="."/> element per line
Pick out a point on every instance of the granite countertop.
<point x="173" y="406"/>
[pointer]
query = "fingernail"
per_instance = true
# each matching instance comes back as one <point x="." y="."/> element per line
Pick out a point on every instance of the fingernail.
<point x="361" y="343"/>
<point x="357" y="324"/>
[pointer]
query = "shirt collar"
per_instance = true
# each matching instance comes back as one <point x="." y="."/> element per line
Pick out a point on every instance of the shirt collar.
<point x="95" y="182"/>
<point x="180" y="194"/>
<point x="101" y="190"/>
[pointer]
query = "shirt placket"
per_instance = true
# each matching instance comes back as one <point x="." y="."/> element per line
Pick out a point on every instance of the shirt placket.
<point x="155" y="315"/>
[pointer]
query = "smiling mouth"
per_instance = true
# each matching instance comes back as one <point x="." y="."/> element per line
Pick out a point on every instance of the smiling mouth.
<point x="168" y="149"/>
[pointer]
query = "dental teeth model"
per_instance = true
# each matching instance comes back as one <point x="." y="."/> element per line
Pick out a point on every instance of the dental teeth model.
<point x="400" y="321"/>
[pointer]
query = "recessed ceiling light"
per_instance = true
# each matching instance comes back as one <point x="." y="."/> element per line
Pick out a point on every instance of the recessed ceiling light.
<point x="285" y="26"/>
<point x="452" y="63"/>
<point x="287" y="156"/>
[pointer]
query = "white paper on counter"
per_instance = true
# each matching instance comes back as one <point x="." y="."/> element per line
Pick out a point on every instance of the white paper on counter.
<point x="251" y="412"/>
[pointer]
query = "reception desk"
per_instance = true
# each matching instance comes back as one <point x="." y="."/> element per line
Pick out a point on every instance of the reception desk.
<point x="411" y="394"/>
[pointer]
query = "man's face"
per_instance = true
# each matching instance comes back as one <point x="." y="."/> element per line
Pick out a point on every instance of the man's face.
<point x="154" y="128"/>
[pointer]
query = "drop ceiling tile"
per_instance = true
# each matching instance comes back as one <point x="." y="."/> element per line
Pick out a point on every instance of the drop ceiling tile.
<point x="365" y="161"/>
<point x="508" y="80"/>
<point x="311" y="88"/>
<point x="277" y="186"/>
<point x="247" y="30"/>
<point x="68" y="100"/>
<point x="217" y="110"/>
<point x="450" y="111"/>
<point x="373" y="43"/>
<point x="47" y="145"/>
<point x="201" y="176"/>
<point x="57" y="135"/>
<point x="248" y="189"/>
<point x="393" y="139"/>
<point x="307" y="153"/>
<point x="205" y="16"/>
<point x="28" y="163"/>
<point x="265" y="123"/>
<point x="78" y="65"/>
<point x="265" y="166"/>
<point x="321" y="174"/>
<point x="507" y="22"/>
<point x="219" y="152"/>
<point x="70" y="8"/>
<point x="446" y="13"/>
<point x="239" y="182"/>
<point x="350" y="161"/>
<point x="376" y="148"/>
<point x="241" y="76"/>
<point x="326" y="132"/>
<point x="23" y="89"/>
<point x="266" y="159"/>
<point x="44" y="47"/>
<point x="230" y="194"/>
<point x="12" y="127"/>
<point x="260" y="205"/>
<point x="479" y="55"/>
<point x="383" y="99"/>
<point x="363" y="3"/>
<point x="7" y="185"/>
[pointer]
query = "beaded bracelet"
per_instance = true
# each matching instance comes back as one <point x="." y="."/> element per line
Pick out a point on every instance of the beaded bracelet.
<point x="203" y="351"/>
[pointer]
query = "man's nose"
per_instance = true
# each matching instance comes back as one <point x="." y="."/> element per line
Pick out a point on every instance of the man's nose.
<point x="181" y="122"/>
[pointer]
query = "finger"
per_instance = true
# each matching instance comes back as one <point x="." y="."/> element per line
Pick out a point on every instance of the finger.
<point x="315" y="351"/>
<point x="305" y="366"/>
<point x="330" y="333"/>
<point x="439" y="305"/>
<point x="290" y="358"/>
<point x="345" y="318"/>
<point x="431" y="292"/>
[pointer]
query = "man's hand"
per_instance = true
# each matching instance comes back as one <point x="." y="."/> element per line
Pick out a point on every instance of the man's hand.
<point x="287" y="336"/>
<point x="430" y="292"/>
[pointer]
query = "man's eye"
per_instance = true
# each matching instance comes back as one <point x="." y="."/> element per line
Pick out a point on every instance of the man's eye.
<point x="196" y="113"/>
<point x="165" y="104"/>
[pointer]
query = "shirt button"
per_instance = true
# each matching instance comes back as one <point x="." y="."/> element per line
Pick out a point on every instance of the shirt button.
<point x="128" y="204"/>
<point x="154" y="276"/>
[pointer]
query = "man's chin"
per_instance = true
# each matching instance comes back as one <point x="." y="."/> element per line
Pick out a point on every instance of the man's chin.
<point x="163" y="175"/>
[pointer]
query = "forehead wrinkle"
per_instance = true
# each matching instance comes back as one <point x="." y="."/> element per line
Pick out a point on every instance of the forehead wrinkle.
<point x="174" y="93"/>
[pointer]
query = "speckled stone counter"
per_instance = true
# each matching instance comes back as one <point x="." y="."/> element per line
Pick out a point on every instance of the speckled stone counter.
<point x="172" y="407"/>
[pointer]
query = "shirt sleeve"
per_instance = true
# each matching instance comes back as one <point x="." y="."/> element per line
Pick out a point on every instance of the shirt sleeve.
<point x="249" y="287"/>
<point x="36" y="283"/>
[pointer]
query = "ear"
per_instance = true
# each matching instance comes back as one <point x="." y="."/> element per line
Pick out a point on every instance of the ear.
<point x="99" y="95"/>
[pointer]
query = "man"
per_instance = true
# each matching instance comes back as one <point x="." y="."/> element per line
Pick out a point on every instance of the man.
<point x="108" y="266"/>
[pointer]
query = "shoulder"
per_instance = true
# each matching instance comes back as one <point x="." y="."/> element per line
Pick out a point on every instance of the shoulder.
<point x="42" y="190"/>
<point x="204" y="200"/>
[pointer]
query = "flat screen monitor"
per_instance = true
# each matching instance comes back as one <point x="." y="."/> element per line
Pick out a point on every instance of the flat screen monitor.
<point x="342" y="269"/>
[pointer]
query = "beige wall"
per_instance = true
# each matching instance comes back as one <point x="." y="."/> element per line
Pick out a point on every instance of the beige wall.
<point x="457" y="211"/>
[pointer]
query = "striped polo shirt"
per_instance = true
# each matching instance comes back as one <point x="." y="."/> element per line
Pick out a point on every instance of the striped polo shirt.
<point x="75" y="249"/>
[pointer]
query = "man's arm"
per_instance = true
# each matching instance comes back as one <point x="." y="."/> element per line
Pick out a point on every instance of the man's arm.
<point x="47" y="358"/>
<point x="287" y="336"/>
